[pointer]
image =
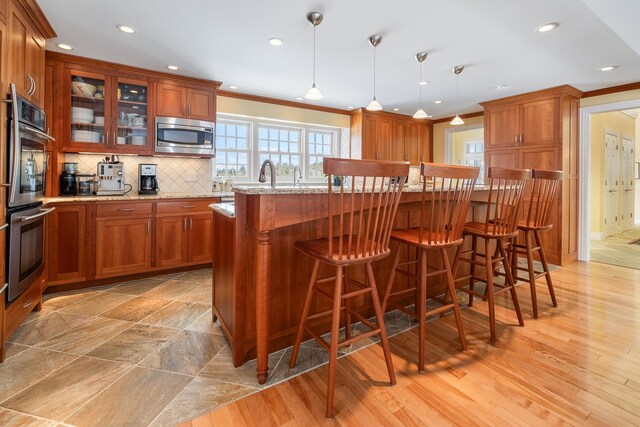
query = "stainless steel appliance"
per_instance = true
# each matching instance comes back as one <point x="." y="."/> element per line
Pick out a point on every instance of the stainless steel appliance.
<point x="86" y="182"/>
<point x="174" y="135"/>
<point x="26" y="154"/>
<point x="110" y="179"/>
<point x="25" y="248"/>
<point x="148" y="179"/>
<point x="68" y="184"/>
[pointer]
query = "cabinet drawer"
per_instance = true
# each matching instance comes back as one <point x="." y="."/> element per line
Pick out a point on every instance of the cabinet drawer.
<point x="22" y="306"/>
<point x="124" y="209"/>
<point x="184" y="206"/>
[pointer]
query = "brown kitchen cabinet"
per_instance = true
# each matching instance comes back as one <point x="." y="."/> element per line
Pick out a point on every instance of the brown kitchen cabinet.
<point x="68" y="231"/>
<point x="123" y="246"/>
<point x="26" y="52"/>
<point x="185" y="102"/>
<point x="114" y="118"/>
<point x="184" y="233"/>
<point x="539" y="130"/>
<point x="386" y="136"/>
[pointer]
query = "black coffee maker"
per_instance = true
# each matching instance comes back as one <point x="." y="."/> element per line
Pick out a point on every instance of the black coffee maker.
<point x="148" y="179"/>
<point x="68" y="180"/>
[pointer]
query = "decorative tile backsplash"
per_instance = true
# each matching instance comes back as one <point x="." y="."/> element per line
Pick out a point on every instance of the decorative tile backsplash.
<point x="175" y="175"/>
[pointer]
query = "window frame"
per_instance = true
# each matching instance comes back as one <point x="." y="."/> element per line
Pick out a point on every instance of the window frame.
<point x="248" y="150"/>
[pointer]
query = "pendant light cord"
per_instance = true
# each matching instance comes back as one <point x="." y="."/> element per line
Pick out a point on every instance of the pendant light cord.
<point x="420" y="84"/>
<point x="374" y="72"/>
<point x="314" y="54"/>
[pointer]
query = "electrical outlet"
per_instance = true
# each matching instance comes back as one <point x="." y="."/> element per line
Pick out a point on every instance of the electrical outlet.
<point x="191" y="176"/>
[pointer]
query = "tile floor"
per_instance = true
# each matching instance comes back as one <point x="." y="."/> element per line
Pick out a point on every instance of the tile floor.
<point x="618" y="249"/>
<point x="137" y="353"/>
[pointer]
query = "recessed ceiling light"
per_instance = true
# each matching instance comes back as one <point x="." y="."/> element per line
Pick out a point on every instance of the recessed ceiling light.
<point x="299" y="98"/>
<point x="547" y="27"/>
<point x="500" y="87"/>
<point x="234" y="87"/>
<point x="609" y="68"/>
<point x="423" y="83"/>
<point x="64" y="46"/>
<point x="275" y="41"/>
<point x="172" y="67"/>
<point x="126" y="29"/>
<point x="349" y="108"/>
<point x="396" y="109"/>
<point x="437" y="102"/>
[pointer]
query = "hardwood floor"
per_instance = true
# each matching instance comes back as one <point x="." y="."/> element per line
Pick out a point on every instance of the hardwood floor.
<point x="577" y="364"/>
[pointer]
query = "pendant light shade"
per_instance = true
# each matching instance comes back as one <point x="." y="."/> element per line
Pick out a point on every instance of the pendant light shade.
<point x="314" y="18"/>
<point x="457" y="121"/>
<point x="374" y="105"/>
<point x="420" y="114"/>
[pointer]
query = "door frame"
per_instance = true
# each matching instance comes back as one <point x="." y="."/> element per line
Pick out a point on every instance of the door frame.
<point x="584" y="197"/>
<point x="448" y="134"/>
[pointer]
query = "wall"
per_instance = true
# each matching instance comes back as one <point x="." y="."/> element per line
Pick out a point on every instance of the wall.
<point x="636" y="183"/>
<point x="175" y="174"/>
<point x="615" y="121"/>
<point x="611" y="98"/>
<point x="439" y="138"/>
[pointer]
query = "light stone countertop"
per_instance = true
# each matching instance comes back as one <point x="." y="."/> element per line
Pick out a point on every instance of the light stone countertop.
<point x="316" y="189"/>
<point x="226" y="209"/>
<point x="134" y="196"/>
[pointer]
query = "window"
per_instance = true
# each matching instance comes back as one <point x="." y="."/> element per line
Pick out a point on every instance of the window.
<point x="242" y="144"/>
<point x="474" y="156"/>
<point x="232" y="149"/>
<point x="282" y="146"/>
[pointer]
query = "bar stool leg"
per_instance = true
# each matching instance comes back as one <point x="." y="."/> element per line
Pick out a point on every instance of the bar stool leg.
<point x="472" y="271"/>
<point x="421" y="309"/>
<point x="532" y="273"/>
<point x="392" y="276"/>
<point x="454" y="298"/>
<point x="305" y="313"/>
<point x="510" y="282"/>
<point x="333" y="345"/>
<point x="380" y="320"/>
<point x="545" y="267"/>
<point x="489" y="290"/>
<point x="347" y="306"/>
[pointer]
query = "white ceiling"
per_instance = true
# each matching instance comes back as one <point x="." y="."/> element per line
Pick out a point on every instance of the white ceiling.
<point x="495" y="40"/>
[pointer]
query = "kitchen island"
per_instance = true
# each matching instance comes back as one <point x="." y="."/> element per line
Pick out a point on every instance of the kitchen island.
<point x="260" y="280"/>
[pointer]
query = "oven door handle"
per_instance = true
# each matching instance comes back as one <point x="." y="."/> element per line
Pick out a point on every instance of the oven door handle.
<point x="42" y="212"/>
<point x="2" y="227"/>
<point x="5" y="286"/>
<point x="37" y="132"/>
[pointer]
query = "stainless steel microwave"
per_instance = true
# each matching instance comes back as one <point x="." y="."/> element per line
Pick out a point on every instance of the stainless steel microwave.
<point x="175" y="135"/>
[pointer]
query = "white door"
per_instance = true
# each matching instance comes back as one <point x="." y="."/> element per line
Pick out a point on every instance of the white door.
<point x="611" y="175"/>
<point x="627" y="175"/>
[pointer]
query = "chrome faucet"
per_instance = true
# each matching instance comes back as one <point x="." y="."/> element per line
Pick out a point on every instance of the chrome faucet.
<point x="272" y="169"/>
<point x="297" y="176"/>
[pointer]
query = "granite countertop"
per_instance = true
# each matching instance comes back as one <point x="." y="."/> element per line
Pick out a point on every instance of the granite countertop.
<point x="134" y="196"/>
<point x="315" y="189"/>
<point x="226" y="209"/>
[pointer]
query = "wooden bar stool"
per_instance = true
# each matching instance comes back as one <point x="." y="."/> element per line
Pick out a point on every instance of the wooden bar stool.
<point x="443" y="211"/>
<point x="506" y="188"/>
<point x="365" y="215"/>
<point x="544" y="189"/>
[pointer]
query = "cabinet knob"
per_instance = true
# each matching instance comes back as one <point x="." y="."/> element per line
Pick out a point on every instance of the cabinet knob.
<point x="515" y="139"/>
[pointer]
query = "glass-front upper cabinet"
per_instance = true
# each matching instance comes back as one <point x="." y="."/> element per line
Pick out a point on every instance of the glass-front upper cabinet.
<point x="88" y="110"/>
<point x="131" y="115"/>
<point x="106" y="113"/>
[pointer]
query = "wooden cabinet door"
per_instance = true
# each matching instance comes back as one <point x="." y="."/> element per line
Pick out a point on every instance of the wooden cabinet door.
<point x="411" y="144"/>
<point x="171" y="241"/>
<point x="201" y="105"/>
<point x="35" y="66"/>
<point x="18" y="33"/>
<point x="424" y="142"/>
<point x="67" y="244"/>
<point x="384" y="138"/>
<point x="123" y="246"/>
<point x="508" y="158"/>
<point x="4" y="6"/>
<point x="397" y="143"/>
<point x="540" y="124"/>
<point x="171" y="100"/>
<point x="200" y="237"/>
<point x="369" y="139"/>
<point x="502" y="127"/>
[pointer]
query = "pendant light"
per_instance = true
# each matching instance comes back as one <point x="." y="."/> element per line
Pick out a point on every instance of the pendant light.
<point x="420" y="114"/>
<point x="457" y="70"/>
<point x="374" y="105"/>
<point x="314" y="18"/>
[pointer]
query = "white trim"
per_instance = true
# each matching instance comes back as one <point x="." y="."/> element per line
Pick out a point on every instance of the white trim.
<point x="584" y="198"/>
<point x="631" y="113"/>
<point x="448" y="133"/>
